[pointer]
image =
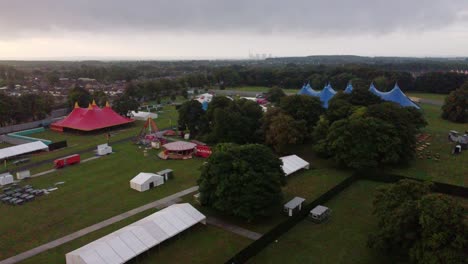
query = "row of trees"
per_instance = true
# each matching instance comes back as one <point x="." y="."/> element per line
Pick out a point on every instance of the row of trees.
<point x="25" y="108"/>
<point x="384" y="131"/>
<point x="416" y="224"/>
<point x="237" y="121"/>
<point x="455" y="107"/>
<point x="274" y="73"/>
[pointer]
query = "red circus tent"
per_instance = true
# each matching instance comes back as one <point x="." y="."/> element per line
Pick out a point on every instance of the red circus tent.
<point x="91" y="118"/>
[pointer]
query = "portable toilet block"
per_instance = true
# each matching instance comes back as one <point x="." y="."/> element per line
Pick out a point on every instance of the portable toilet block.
<point x="20" y="175"/>
<point x="6" y="178"/>
<point x="104" y="149"/>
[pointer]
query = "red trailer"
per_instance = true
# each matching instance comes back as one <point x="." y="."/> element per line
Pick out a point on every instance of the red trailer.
<point x="68" y="160"/>
<point x="203" y="151"/>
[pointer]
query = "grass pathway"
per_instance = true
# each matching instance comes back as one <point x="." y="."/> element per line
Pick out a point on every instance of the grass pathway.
<point x="95" y="227"/>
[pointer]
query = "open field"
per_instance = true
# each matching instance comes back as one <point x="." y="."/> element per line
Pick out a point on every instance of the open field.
<point x="340" y="240"/>
<point x="452" y="169"/>
<point x="78" y="142"/>
<point x="213" y="245"/>
<point x="430" y="96"/>
<point x="4" y="145"/>
<point x="306" y="184"/>
<point x="259" y="89"/>
<point x="93" y="191"/>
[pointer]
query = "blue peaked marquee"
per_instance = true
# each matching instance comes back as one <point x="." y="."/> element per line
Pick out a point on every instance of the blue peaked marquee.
<point x="395" y="95"/>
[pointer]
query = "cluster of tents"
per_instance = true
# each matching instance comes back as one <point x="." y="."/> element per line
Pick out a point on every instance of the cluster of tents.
<point x="395" y="95"/>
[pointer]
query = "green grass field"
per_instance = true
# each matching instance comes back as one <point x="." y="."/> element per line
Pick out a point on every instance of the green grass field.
<point x="307" y="184"/>
<point x="258" y="89"/>
<point x="77" y="142"/>
<point x="340" y="240"/>
<point x="213" y="245"/>
<point x="93" y="191"/>
<point x="452" y="169"/>
<point x="430" y="96"/>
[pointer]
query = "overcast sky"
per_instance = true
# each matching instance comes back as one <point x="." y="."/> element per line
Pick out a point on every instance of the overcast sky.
<point x="231" y="29"/>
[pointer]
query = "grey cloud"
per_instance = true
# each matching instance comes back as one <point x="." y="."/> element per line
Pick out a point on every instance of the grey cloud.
<point x="19" y="17"/>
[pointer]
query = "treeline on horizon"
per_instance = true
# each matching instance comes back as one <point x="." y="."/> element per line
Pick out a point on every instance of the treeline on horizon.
<point x="412" y="75"/>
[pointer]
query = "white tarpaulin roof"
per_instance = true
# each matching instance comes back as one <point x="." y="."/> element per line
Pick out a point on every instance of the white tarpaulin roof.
<point x="292" y="164"/>
<point x="140" y="115"/>
<point x="22" y="149"/>
<point x="143" y="177"/>
<point x="132" y="240"/>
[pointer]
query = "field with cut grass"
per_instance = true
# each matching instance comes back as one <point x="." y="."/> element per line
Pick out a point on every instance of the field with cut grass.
<point x="213" y="245"/>
<point x="307" y="184"/>
<point x="78" y="142"/>
<point x="93" y="191"/>
<point x="452" y="169"/>
<point x="258" y="89"/>
<point x="429" y="96"/>
<point x="340" y="240"/>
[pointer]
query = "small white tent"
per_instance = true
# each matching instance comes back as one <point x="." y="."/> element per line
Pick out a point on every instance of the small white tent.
<point x="140" y="115"/>
<point x="145" y="181"/>
<point x="292" y="164"/>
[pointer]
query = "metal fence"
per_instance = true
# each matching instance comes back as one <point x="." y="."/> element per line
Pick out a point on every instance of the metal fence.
<point x="54" y="116"/>
<point x="255" y="247"/>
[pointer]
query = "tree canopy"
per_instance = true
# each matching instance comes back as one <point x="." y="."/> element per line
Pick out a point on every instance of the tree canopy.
<point x="303" y="107"/>
<point x="192" y="116"/>
<point x="123" y="104"/>
<point x="275" y="94"/>
<point x="455" y="107"/>
<point x="80" y="95"/>
<point x="384" y="131"/>
<point x="242" y="180"/>
<point x="415" y="224"/>
<point x="281" y="130"/>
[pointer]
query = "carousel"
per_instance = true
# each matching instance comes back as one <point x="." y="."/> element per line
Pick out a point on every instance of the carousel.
<point x="179" y="150"/>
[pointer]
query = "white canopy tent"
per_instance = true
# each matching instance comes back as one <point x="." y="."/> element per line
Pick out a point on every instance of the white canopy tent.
<point x="9" y="152"/>
<point x="145" y="181"/>
<point x="130" y="241"/>
<point x="140" y="115"/>
<point x="292" y="164"/>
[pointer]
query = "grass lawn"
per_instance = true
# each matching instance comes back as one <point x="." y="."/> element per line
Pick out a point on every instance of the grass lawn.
<point x="308" y="184"/>
<point x="77" y="142"/>
<point x="4" y="145"/>
<point x="259" y="89"/>
<point x="340" y="240"/>
<point x="429" y="96"/>
<point x="452" y="169"/>
<point x="93" y="191"/>
<point x="201" y="244"/>
<point x="213" y="245"/>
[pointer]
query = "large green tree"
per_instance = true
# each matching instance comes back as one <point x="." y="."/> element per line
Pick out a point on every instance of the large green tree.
<point x="100" y="97"/>
<point x="397" y="212"/>
<point x="275" y="94"/>
<point x="123" y="104"/>
<point x="363" y="142"/>
<point x="281" y="130"/>
<point x="243" y="181"/>
<point x="455" y="107"/>
<point x="415" y="224"/>
<point x="303" y="107"/>
<point x="79" y="95"/>
<point x="236" y="121"/>
<point x="443" y="232"/>
<point x="192" y="116"/>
